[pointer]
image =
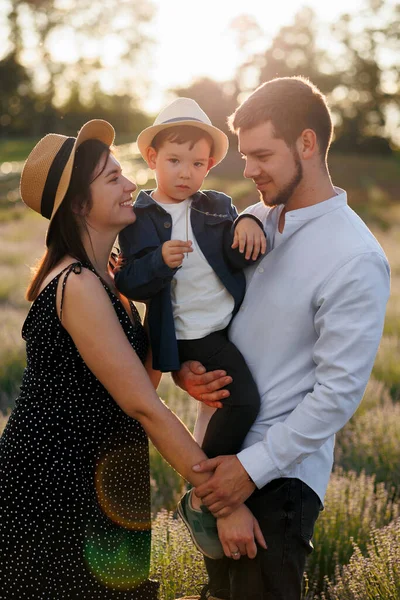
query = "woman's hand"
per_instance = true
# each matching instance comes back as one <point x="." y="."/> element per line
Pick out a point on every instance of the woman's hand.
<point x="250" y="237"/>
<point x="239" y="533"/>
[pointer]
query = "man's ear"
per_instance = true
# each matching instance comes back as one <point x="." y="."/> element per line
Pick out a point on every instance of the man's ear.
<point x="151" y="156"/>
<point x="211" y="163"/>
<point x="307" y="144"/>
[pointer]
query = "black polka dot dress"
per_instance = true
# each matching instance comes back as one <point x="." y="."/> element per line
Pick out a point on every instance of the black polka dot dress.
<point x="74" y="473"/>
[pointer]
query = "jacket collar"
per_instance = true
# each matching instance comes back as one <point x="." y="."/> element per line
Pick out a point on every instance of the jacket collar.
<point x="144" y="200"/>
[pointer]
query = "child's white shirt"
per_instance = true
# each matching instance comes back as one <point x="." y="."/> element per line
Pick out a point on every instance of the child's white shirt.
<point x="200" y="302"/>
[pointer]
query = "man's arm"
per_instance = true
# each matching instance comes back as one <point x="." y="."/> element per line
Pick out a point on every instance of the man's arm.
<point x="349" y="322"/>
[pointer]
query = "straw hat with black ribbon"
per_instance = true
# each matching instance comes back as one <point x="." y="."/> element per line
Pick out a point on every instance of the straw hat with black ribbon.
<point x="47" y="171"/>
<point x="184" y="111"/>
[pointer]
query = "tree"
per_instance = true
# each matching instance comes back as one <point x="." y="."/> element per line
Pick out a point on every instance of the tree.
<point x="368" y="87"/>
<point x="293" y="51"/>
<point x="16" y="95"/>
<point x="360" y="88"/>
<point x="81" y="41"/>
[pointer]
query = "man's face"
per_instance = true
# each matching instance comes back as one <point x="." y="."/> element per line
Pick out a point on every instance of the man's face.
<point x="275" y="168"/>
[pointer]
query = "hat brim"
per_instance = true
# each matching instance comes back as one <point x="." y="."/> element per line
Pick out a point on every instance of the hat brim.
<point x="221" y="142"/>
<point x="96" y="129"/>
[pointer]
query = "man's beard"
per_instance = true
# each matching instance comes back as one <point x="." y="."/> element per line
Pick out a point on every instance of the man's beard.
<point x="284" y="195"/>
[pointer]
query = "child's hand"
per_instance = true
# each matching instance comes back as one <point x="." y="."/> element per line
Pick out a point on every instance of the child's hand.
<point x="173" y="252"/>
<point x="248" y="235"/>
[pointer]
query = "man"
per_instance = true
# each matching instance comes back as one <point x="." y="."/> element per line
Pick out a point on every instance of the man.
<point x="309" y="328"/>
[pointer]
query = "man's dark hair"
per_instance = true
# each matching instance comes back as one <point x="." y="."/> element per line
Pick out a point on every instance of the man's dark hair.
<point x="292" y="104"/>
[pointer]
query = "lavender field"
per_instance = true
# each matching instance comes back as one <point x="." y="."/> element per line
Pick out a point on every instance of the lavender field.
<point x="357" y="539"/>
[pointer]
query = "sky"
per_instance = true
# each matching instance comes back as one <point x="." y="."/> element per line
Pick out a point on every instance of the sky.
<point x="193" y="39"/>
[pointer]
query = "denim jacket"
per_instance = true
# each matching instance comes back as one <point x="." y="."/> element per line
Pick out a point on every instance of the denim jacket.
<point x="145" y="276"/>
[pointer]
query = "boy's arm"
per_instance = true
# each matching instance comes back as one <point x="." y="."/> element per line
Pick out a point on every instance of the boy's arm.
<point x="143" y="272"/>
<point x="235" y="257"/>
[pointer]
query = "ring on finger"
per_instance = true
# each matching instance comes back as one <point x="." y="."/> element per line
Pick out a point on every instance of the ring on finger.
<point x="235" y="554"/>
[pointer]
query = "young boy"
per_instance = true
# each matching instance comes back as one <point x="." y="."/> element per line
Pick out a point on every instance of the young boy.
<point x="185" y="252"/>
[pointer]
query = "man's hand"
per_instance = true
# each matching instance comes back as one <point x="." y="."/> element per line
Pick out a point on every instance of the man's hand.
<point x="250" y="237"/>
<point x="201" y="385"/>
<point x="228" y="488"/>
<point x="173" y="252"/>
<point x="239" y="532"/>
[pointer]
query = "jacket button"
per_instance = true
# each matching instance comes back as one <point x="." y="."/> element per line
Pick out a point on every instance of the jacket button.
<point x="167" y="224"/>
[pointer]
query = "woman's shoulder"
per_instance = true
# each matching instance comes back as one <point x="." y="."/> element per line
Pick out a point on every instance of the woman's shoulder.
<point x="70" y="265"/>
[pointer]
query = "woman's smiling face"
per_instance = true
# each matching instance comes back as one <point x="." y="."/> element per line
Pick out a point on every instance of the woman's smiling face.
<point x="111" y="195"/>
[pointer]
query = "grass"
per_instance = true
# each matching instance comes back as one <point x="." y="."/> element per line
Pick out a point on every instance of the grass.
<point x="175" y="562"/>
<point x="11" y="369"/>
<point x="356" y="541"/>
<point x="373" y="575"/>
<point x="370" y="442"/>
<point x="354" y="505"/>
<point x="166" y="484"/>
<point x="16" y="149"/>
<point x="387" y="364"/>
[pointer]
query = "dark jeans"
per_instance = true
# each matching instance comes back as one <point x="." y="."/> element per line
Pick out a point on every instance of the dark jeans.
<point x="230" y="424"/>
<point x="286" y="510"/>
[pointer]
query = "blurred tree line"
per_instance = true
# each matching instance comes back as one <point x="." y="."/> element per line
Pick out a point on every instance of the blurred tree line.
<point x="354" y="62"/>
<point x="59" y="52"/>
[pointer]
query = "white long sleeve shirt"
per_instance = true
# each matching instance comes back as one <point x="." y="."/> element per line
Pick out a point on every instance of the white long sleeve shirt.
<point x="309" y="328"/>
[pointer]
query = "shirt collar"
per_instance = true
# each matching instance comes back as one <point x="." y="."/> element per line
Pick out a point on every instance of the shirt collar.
<point x="321" y="208"/>
<point x="144" y="199"/>
<point x="295" y="219"/>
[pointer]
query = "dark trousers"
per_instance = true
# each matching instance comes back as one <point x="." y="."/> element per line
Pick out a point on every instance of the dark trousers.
<point x="286" y="510"/>
<point x="229" y="425"/>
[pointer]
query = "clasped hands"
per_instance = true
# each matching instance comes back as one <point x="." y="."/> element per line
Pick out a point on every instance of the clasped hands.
<point x="225" y="492"/>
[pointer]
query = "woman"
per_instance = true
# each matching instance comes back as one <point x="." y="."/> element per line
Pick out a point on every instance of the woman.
<point x="74" y="469"/>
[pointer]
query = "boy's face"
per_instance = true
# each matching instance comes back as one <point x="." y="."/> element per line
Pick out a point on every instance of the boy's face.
<point x="180" y="171"/>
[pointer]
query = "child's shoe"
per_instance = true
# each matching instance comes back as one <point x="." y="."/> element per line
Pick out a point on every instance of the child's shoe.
<point x="202" y="527"/>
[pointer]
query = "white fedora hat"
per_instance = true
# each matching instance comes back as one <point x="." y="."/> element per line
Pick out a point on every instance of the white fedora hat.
<point x="184" y="111"/>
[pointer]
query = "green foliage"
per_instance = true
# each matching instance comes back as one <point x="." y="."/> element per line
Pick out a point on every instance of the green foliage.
<point x="175" y="562"/>
<point x="16" y="95"/>
<point x="376" y="395"/>
<point x="387" y="364"/>
<point x="375" y="575"/>
<point x="12" y="365"/>
<point x="371" y="442"/>
<point x="16" y="148"/>
<point x="167" y="485"/>
<point x="354" y="505"/>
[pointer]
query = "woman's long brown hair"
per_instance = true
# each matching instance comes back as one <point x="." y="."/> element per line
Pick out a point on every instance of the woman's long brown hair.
<point x="64" y="237"/>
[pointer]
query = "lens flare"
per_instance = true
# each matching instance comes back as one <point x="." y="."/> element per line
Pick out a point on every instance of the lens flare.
<point x="118" y="552"/>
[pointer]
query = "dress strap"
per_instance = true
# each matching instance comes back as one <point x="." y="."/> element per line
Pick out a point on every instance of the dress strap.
<point x="77" y="269"/>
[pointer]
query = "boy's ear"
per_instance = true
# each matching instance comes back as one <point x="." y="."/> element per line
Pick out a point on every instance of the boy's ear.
<point x="211" y="163"/>
<point x="151" y="155"/>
